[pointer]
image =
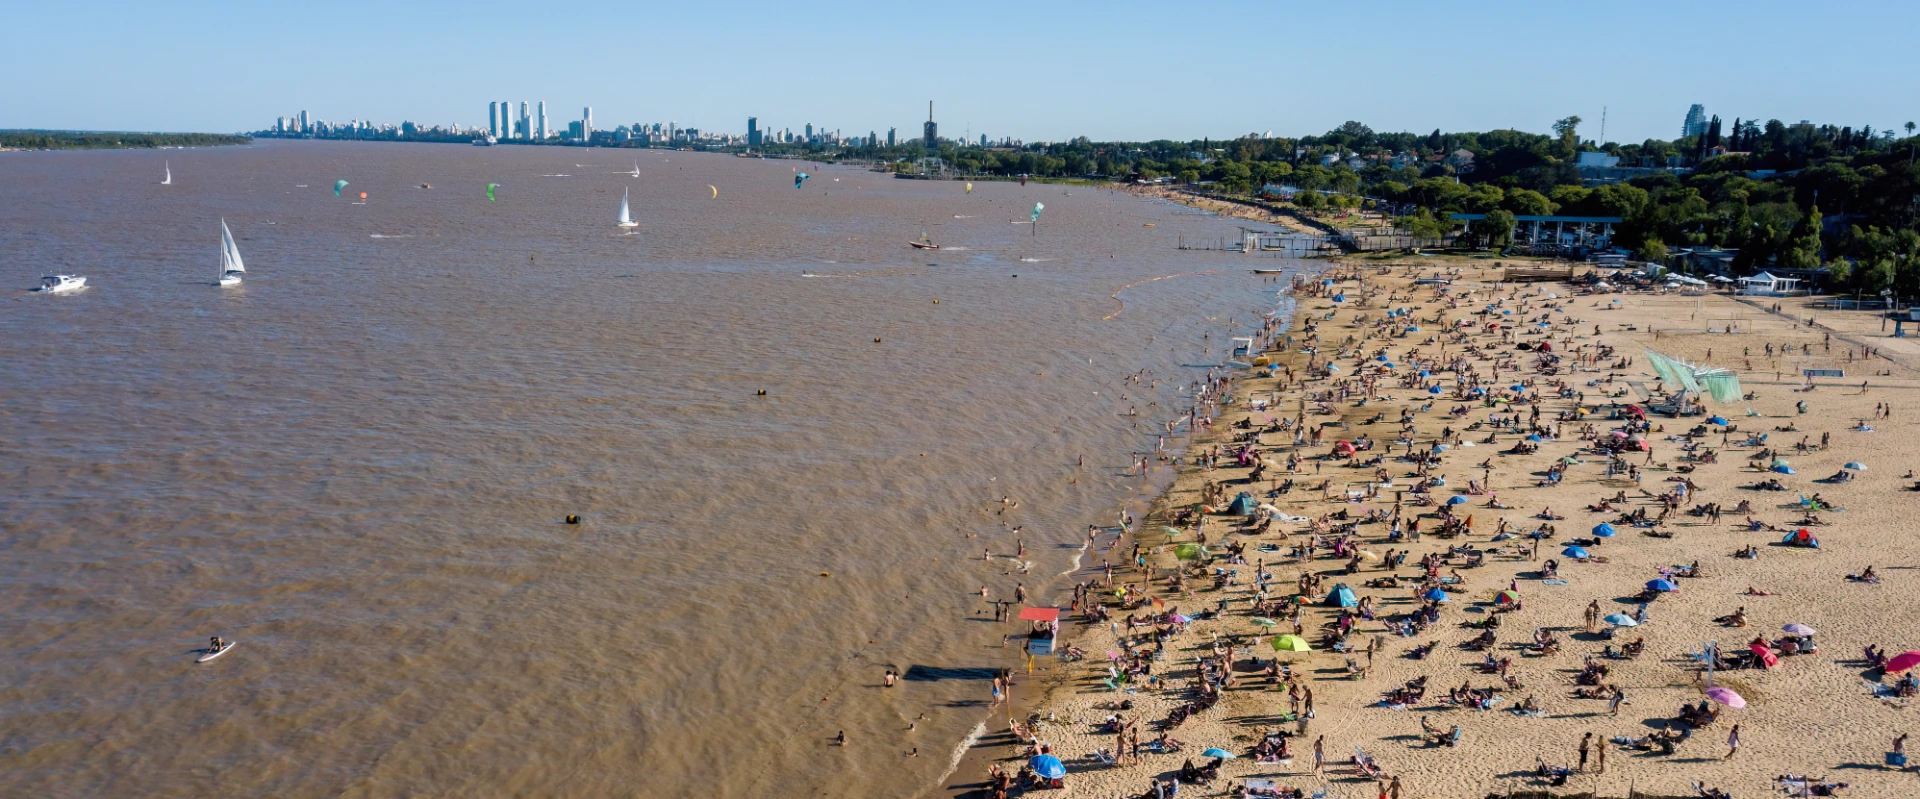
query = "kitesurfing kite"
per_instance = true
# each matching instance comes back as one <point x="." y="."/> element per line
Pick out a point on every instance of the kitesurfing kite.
<point x="337" y="186"/>
<point x="1037" y="208"/>
<point x="969" y="188"/>
<point x="716" y="192"/>
<point x="798" y="178"/>
<point x="490" y="188"/>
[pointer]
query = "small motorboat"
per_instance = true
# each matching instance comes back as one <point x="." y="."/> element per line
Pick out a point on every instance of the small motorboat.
<point x="923" y="245"/>
<point x="54" y="284"/>
<point x="1269" y="271"/>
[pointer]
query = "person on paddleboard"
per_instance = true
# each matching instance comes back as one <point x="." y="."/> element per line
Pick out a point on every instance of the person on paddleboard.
<point x="218" y="644"/>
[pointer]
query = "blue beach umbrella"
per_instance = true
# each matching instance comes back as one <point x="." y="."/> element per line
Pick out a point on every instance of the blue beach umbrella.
<point x="1661" y="585"/>
<point x="1219" y="753"/>
<point x="1425" y="373"/>
<point x="1457" y="499"/>
<point x="1433" y="390"/>
<point x="1339" y="298"/>
<point x="1380" y="358"/>
<point x="1535" y="438"/>
<point x="1604" y="530"/>
<point x="1622" y="620"/>
<point x="1574" y="552"/>
<point x="1048" y="766"/>
<point x="1719" y="420"/>
<point x="1435" y="595"/>
<point x="1517" y="387"/>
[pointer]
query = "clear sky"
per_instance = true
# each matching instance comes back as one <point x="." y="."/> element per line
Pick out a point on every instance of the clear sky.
<point x="1035" y="70"/>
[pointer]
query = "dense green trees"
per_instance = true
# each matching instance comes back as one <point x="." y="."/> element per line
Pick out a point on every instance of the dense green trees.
<point x="77" y="140"/>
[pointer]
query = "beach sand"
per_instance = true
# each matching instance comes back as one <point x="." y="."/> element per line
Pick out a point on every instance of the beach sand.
<point x="1813" y="714"/>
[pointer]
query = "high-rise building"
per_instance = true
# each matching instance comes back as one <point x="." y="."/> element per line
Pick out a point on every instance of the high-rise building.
<point x="493" y="119"/>
<point x="890" y="137"/>
<point x="543" y="121"/>
<point x="586" y="124"/>
<point x="930" y="137"/>
<point x="526" y="120"/>
<point x="303" y="122"/>
<point x="983" y="140"/>
<point x="753" y="131"/>
<point x="809" y="131"/>
<point x="1696" y="124"/>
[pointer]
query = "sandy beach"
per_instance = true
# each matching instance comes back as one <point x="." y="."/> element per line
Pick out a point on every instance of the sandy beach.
<point x="1460" y="664"/>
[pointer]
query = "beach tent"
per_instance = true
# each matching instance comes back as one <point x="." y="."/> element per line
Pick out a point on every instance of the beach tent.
<point x="1604" y="530"/>
<point x="1241" y="505"/>
<point x="1766" y="656"/>
<point x="1435" y="595"/>
<point x="1801" y="538"/>
<point x="1341" y="597"/>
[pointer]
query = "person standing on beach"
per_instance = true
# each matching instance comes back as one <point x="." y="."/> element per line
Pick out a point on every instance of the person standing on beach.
<point x="1319" y="754"/>
<point x="1733" y="742"/>
<point x="1586" y="745"/>
<point x="1614" y="702"/>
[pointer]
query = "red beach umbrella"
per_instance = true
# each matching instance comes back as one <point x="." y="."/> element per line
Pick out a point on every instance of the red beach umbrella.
<point x="1904" y="661"/>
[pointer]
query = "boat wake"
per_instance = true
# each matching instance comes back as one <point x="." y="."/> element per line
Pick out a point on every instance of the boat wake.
<point x="556" y="176"/>
<point x="1035" y="260"/>
<point x="957" y="216"/>
<point x="389" y="235"/>
<point x="1123" y="305"/>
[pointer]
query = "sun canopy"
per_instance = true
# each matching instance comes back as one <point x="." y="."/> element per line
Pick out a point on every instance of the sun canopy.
<point x="1040" y="614"/>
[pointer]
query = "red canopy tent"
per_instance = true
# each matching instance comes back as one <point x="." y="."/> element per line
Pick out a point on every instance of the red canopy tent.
<point x="1040" y="614"/>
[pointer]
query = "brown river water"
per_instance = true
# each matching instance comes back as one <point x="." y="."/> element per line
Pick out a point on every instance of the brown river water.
<point x="357" y="464"/>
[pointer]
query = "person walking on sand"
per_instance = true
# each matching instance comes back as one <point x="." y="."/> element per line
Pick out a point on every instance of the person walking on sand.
<point x="1733" y="742"/>
<point x="1614" y="702"/>
<point x="1319" y="755"/>
<point x="1586" y="745"/>
<point x="891" y="677"/>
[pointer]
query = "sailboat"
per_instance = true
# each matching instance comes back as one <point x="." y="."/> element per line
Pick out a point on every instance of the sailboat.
<point x="231" y="267"/>
<point x="636" y="169"/>
<point x="626" y="214"/>
<point x="169" y="180"/>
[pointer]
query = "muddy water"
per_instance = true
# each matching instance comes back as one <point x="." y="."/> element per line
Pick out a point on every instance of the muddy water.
<point x="358" y="464"/>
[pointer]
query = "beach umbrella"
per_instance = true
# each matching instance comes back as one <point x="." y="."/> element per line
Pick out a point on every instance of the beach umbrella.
<point x="1048" y="767"/>
<point x="1726" y="696"/>
<point x="1797" y="628"/>
<point x="1622" y="620"/>
<point x="1618" y="434"/>
<point x="1719" y="420"/>
<point x="1339" y="298"/>
<point x="1574" y="552"/>
<point x="1508" y="597"/>
<point x="1291" y="643"/>
<point x="1662" y="585"/>
<point x="1264" y="622"/>
<point x="1604" y="530"/>
<point x="1170" y="532"/>
<point x="1425" y="373"/>
<point x="1369" y="555"/>
<point x="1570" y="460"/>
<point x="1433" y="390"/>
<point x="1435" y="595"/>
<point x="1517" y="387"/>
<point x="1779" y="462"/>
<point x="1180" y="619"/>
<point x="1856" y="466"/>
<point x="1904" y="661"/>
<point x="1380" y="358"/>
<point x="1457" y="499"/>
<point x="1219" y="753"/>
<point x="1535" y="438"/>
<point x="1333" y="367"/>
<point x="1782" y="469"/>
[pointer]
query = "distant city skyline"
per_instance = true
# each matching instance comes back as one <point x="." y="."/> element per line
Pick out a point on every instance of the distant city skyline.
<point x="1082" y="70"/>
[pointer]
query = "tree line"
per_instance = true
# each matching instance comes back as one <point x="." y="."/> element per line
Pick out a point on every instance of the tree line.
<point x="83" y="140"/>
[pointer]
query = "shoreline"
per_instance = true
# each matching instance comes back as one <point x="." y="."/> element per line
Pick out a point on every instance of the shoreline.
<point x="1807" y="716"/>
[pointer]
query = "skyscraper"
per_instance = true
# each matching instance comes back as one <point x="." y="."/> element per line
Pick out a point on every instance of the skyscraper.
<point x="303" y="122"/>
<point x="753" y="131"/>
<point x="931" y="137"/>
<point x="890" y="137"/>
<point x="543" y="121"/>
<point x="493" y="119"/>
<point x="586" y="123"/>
<point x="526" y="120"/>
<point x="1696" y="124"/>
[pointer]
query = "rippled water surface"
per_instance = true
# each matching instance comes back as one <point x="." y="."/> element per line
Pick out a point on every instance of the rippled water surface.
<point x="358" y="464"/>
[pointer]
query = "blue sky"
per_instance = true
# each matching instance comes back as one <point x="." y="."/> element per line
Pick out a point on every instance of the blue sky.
<point x="1035" y="70"/>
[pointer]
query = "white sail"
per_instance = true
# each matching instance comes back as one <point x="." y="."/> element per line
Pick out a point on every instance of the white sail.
<point x="626" y="215"/>
<point x="169" y="180"/>
<point x="636" y="169"/>
<point x="229" y="253"/>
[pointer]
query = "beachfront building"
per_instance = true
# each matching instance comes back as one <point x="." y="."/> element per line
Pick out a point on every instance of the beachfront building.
<point x="1767" y="284"/>
<point x="1553" y="233"/>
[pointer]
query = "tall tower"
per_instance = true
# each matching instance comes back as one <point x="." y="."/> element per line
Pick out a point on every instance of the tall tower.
<point x="931" y="136"/>
<point x="493" y="119"/>
<point x="586" y="124"/>
<point x="890" y="137"/>
<point x="753" y="131"/>
<point x="1696" y="124"/>
<point x="543" y="120"/>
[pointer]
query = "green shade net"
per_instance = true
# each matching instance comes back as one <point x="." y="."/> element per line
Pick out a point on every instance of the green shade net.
<point x="1722" y="385"/>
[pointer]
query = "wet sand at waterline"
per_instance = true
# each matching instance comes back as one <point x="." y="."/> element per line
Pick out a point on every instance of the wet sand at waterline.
<point x="1813" y="714"/>
<point x="358" y="463"/>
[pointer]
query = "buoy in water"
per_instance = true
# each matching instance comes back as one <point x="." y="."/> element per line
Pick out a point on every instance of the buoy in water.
<point x="936" y="302"/>
<point x="763" y="392"/>
<point x="571" y="519"/>
<point x="824" y="574"/>
<point x="876" y="341"/>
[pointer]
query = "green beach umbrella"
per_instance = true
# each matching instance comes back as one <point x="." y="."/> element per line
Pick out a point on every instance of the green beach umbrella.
<point x="1291" y="643"/>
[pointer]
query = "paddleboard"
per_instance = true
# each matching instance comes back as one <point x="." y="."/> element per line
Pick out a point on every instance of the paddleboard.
<point x="211" y="655"/>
